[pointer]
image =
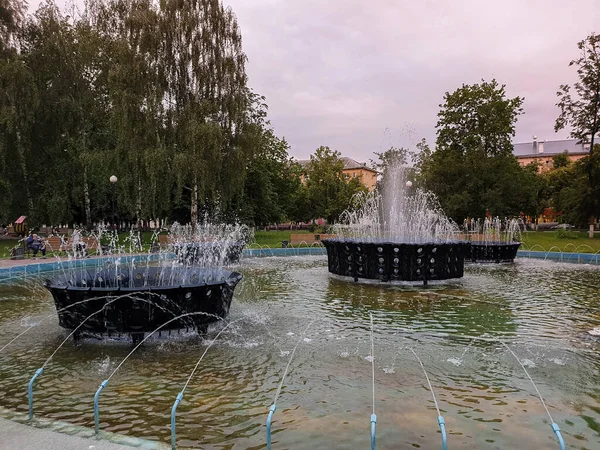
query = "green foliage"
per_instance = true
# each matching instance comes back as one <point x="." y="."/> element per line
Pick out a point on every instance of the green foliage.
<point x="328" y="192"/>
<point x="563" y="233"/>
<point x="152" y="92"/>
<point x="561" y="160"/>
<point x="393" y="155"/>
<point x="472" y="168"/>
<point x="581" y="112"/>
<point x="566" y="189"/>
<point x="478" y="119"/>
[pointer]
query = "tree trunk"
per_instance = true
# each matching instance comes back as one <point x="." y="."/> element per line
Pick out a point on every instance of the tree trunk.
<point x="194" y="206"/>
<point x="23" y="163"/>
<point x="86" y="200"/>
<point x="138" y="212"/>
<point x="591" y="180"/>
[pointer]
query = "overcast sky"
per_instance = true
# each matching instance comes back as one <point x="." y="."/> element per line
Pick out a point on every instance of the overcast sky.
<point x="360" y="75"/>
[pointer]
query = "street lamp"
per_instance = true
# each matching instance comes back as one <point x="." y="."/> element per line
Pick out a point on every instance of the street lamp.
<point x="113" y="181"/>
<point x="409" y="184"/>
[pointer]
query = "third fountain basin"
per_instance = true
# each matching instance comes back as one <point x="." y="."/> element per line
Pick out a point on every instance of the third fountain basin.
<point x="493" y="251"/>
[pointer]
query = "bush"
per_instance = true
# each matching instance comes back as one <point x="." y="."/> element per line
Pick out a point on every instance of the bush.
<point x="317" y="229"/>
<point x="566" y="234"/>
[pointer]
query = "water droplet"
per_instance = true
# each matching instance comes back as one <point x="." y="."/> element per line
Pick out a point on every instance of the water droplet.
<point x="456" y="361"/>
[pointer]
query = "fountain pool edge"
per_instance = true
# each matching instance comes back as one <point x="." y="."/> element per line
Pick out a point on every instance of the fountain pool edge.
<point x="62" y="433"/>
<point x="7" y="273"/>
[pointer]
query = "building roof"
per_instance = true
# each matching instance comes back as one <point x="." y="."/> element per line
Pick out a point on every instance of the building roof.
<point x="349" y="164"/>
<point x="532" y="149"/>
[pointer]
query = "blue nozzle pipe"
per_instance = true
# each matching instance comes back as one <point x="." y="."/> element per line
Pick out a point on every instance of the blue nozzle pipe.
<point x="373" y="425"/>
<point x="173" y="412"/>
<point x="442" y="423"/>
<point x="30" y="390"/>
<point x="556" y="430"/>
<point x="269" y="418"/>
<point x="96" y="411"/>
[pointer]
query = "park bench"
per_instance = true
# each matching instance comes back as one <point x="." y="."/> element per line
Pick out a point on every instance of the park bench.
<point x="57" y="245"/>
<point x="161" y="243"/>
<point x="310" y="239"/>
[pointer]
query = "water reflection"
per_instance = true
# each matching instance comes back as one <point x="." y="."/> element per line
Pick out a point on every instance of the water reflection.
<point x="543" y="310"/>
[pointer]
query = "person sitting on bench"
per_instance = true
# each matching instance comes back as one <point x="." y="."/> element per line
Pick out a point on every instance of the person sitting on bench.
<point x="35" y="243"/>
<point x="79" y="246"/>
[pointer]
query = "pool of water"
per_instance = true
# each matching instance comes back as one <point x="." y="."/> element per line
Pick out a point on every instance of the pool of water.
<point x="546" y="312"/>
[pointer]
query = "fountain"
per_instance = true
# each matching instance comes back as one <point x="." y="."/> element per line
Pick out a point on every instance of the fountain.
<point x="493" y="240"/>
<point x="132" y="296"/>
<point x="399" y="234"/>
<point x="146" y="298"/>
<point x="430" y="358"/>
<point x="208" y="244"/>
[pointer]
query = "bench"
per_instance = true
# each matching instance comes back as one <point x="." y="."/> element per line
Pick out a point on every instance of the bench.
<point x="310" y="239"/>
<point x="57" y="244"/>
<point x="161" y="243"/>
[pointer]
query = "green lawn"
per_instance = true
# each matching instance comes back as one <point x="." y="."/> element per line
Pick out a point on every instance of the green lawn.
<point x="271" y="238"/>
<point x="274" y="238"/>
<point x="7" y="244"/>
<point x="532" y="240"/>
<point x="549" y="240"/>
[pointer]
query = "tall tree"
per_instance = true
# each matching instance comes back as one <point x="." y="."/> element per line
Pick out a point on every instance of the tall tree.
<point x="330" y="193"/>
<point x="393" y="155"/>
<point x="582" y="111"/>
<point x="207" y="97"/>
<point x="11" y="17"/>
<point x="472" y="168"/>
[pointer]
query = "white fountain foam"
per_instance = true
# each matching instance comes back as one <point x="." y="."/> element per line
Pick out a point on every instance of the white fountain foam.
<point x="397" y="213"/>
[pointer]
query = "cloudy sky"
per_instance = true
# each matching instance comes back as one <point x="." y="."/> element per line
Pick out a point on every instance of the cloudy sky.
<point x="361" y="75"/>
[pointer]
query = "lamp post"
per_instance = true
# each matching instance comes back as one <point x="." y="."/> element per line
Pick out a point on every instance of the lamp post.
<point x="113" y="181"/>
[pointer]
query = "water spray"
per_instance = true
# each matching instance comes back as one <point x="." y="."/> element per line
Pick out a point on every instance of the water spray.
<point x="180" y="395"/>
<point x="274" y="404"/>
<point x="441" y="421"/>
<point x="105" y="382"/>
<point x="373" y="415"/>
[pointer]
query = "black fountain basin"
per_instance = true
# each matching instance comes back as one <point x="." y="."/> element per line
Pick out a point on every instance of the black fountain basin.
<point x="387" y="261"/>
<point x="493" y="251"/>
<point x="134" y="301"/>
<point x="215" y="252"/>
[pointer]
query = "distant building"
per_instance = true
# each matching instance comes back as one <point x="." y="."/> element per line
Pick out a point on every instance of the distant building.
<point x="353" y="169"/>
<point x="543" y="151"/>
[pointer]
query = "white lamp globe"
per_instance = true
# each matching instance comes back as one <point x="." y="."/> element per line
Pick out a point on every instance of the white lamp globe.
<point x="409" y="184"/>
<point x="113" y="179"/>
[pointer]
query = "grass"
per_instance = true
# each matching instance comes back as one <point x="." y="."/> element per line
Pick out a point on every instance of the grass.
<point x="271" y="238"/>
<point x="274" y="238"/>
<point x="533" y="240"/>
<point x="577" y="241"/>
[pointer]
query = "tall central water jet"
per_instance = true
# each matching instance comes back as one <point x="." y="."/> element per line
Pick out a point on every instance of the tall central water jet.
<point x="397" y="233"/>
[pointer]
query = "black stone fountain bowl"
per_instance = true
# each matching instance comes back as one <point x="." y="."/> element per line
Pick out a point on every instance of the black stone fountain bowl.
<point x="388" y="261"/>
<point x="215" y="252"/>
<point x="493" y="251"/>
<point x="141" y="300"/>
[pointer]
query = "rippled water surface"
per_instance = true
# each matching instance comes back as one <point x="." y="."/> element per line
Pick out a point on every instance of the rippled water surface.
<point x="547" y="312"/>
